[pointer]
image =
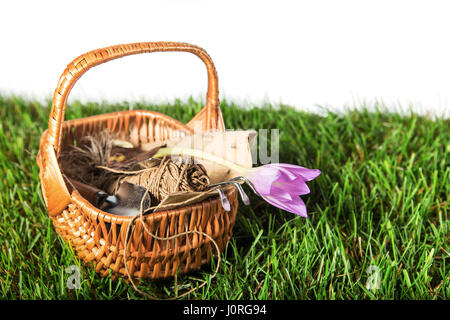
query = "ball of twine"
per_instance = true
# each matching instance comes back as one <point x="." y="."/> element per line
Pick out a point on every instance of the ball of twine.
<point x="162" y="177"/>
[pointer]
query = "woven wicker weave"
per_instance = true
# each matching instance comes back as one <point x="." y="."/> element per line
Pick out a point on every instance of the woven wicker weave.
<point x="98" y="236"/>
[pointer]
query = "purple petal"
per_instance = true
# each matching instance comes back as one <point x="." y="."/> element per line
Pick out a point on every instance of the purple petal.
<point x="263" y="177"/>
<point x="278" y="166"/>
<point x="296" y="205"/>
<point x="296" y="187"/>
<point x="280" y="194"/>
<point x="270" y="179"/>
<point x="281" y="184"/>
<point x="307" y="174"/>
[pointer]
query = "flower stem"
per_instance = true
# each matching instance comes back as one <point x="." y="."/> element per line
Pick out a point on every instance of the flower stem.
<point x="200" y="154"/>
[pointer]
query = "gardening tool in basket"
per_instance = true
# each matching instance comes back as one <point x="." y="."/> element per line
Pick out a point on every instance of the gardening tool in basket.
<point x="100" y="237"/>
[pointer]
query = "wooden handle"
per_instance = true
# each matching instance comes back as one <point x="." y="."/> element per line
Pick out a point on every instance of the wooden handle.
<point x="211" y="112"/>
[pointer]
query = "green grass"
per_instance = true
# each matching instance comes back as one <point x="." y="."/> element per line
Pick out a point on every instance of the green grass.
<point x="382" y="200"/>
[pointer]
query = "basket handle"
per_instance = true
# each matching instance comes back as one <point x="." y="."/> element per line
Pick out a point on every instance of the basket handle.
<point x="210" y="115"/>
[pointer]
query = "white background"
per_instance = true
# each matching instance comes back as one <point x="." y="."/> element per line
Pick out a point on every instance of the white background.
<point x="302" y="53"/>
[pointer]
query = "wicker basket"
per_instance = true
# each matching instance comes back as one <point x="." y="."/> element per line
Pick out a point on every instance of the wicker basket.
<point x="98" y="236"/>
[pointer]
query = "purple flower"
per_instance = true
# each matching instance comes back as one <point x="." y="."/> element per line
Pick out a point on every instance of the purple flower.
<point x="282" y="184"/>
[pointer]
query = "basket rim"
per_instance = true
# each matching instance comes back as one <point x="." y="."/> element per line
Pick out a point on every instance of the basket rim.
<point x="137" y="112"/>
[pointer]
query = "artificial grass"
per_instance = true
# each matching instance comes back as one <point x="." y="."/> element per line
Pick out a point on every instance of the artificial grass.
<point x="381" y="204"/>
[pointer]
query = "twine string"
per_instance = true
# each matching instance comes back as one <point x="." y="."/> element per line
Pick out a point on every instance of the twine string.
<point x="141" y="217"/>
<point x="163" y="177"/>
